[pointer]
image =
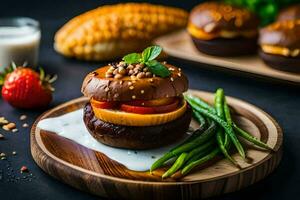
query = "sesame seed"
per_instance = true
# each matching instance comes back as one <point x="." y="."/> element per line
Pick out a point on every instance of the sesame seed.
<point x="131" y="87"/>
<point x="14" y="153"/>
<point x="142" y="91"/>
<point x="151" y="80"/>
<point x="129" y="83"/>
<point x="5" y="128"/>
<point x="121" y="82"/>
<point x="23" y="117"/>
<point x="1" y="136"/>
<point x="179" y="74"/>
<point x="3" y="121"/>
<point x="172" y="79"/>
<point x="133" y="96"/>
<point x="179" y="69"/>
<point x="25" y="125"/>
<point x="15" y="130"/>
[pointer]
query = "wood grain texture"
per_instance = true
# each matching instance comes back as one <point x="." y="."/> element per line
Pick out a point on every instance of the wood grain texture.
<point x="180" y="45"/>
<point x="93" y="172"/>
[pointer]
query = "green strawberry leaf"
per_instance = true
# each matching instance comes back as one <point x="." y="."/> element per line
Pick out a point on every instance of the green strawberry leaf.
<point x="132" y="58"/>
<point x="151" y="53"/>
<point x="158" y="69"/>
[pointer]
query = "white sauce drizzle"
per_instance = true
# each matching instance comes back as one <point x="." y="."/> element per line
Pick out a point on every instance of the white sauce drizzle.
<point x="71" y="126"/>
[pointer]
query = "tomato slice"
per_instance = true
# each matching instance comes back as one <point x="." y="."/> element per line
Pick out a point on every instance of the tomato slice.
<point x="103" y="104"/>
<point x="137" y="109"/>
<point x="150" y="110"/>
<point x="154" y="102"/>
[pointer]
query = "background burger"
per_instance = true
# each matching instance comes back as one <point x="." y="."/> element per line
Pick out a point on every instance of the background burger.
<point x="137" y="103"/>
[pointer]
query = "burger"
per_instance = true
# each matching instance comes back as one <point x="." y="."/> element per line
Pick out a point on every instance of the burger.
<point x="280" y="45"/>
<point x="137" y="103"/>
<point x="290" y="13"/>
<point x="220" y="29"/>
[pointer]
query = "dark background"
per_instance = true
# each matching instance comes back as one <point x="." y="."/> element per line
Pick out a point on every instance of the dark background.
<point x="279" y="100"/>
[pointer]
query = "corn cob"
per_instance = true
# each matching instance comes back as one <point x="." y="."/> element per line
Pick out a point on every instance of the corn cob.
<point x="112" y="31"/>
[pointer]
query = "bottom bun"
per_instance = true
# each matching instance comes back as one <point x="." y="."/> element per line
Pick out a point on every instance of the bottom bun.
<point x="136" y="137"/>
<point x="227" y="47"/>
<point x="290" y="64"/>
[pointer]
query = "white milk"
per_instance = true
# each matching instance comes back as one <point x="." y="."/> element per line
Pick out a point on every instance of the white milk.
<point x="18" y="44"/>
<point x="71" y="126"/>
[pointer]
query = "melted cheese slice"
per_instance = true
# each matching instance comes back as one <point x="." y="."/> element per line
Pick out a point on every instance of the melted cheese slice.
<point x="201" y="34"/>
<point x="133" y="119"/>
<point x="280" y="50"/>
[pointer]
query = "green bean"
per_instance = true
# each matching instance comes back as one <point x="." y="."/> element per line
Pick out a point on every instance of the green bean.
<point x="200" y="161"/>
<point x="178" y="163"/>
<point x="200" y="102"/>
<point x="227" y="116"/>
<point x="207" y="134"/>
<point x="219" y="106"/>
<point x="199" y="118"/>
<point x="197" y="151"/>
<point x="196" y="133"/>
<point x="201" y="154"/>
<point x="219" y="102"/>
<point x="251" y="138"/>
<point x="228" y="129"/>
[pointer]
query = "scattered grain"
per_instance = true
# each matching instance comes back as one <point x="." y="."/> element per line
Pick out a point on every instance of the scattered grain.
<point x="14" y="130"/>
<point x="11" y="125"/>
<point x="25" y="125"/>
<point x="23" y="117"/>
<point x="3" y="121"/>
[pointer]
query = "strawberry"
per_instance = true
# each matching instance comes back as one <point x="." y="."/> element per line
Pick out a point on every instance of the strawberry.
<point x="25" y="88"/>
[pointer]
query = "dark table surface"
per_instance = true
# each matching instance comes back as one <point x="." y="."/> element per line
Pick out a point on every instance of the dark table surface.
<point x="279" y="100"/>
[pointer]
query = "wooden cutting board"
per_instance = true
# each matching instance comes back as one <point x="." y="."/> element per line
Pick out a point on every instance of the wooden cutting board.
<point x="95" y="173"/>
<point x="180" y="45"/>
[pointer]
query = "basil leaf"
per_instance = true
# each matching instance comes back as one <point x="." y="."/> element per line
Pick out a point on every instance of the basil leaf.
<point x="132" y="58"/>
<point x="151" y="53"/>
<point x="158" y="69"/>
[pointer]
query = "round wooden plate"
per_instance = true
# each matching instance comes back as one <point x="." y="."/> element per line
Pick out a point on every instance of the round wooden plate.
<point x="93" y="172"/>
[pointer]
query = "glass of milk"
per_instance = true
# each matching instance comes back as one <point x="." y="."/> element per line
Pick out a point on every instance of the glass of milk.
<point x="19" y="41"/>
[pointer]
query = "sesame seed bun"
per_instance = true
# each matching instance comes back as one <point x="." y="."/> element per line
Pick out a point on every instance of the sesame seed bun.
<point x="97" y="86"/>
<point x="213" y="17"/>
<point x="282" y="34"/>
<point x="289" y="13"/>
